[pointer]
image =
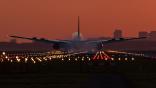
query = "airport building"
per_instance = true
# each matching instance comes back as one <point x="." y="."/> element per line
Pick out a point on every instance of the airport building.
<point x="152" y="35"/>
<point x="143" y="34"/>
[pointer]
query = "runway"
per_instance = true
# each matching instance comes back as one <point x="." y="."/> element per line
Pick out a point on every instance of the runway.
<point x="110" y="69"/>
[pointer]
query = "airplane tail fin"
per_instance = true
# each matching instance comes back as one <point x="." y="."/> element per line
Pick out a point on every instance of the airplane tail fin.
<point x="79" y="37"/>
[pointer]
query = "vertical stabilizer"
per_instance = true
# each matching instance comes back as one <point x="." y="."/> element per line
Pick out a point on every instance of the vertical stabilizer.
<point x="79" y="38"/>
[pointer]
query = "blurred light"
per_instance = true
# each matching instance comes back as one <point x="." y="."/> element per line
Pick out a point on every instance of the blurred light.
<point x="126" y="59"/>
<point x="45" y="58"/>
<point x="3" y="53"/>
<point x="112" y="59"/>
<point x="50" y="58"/>
<point x="39" y="59"/>
<point x="33" y="60"/>
<point x="89" y="59"/>
<point x="69" y="59"/>
<point x="132" y="59"/>
<point x="82" y="59"/>
<point x="17" y="57"/>
<point x="76" y="59"/>
<point x="18" y="60"/>
<point x="6" y="57"/>
<point x="26" y="59"/>
<point x="119" y="58"/>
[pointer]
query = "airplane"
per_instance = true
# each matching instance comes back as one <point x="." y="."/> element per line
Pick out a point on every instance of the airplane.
<point x="77" y="43"/>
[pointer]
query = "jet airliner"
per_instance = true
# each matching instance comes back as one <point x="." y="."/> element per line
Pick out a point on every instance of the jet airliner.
<point x="77" y="43"/>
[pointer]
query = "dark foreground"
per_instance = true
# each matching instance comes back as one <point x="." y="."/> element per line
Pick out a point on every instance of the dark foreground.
<point x="137" y="74"/>
<point x="64" y="80"/>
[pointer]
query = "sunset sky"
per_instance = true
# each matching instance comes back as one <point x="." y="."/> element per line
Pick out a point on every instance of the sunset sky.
<point x="57" y="19"/>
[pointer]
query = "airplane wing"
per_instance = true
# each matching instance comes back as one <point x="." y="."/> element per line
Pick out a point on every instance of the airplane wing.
<point x="43" y="40"/>
<point x="114" y="40"/>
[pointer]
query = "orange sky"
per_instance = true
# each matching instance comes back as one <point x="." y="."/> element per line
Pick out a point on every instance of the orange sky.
<point x="57" y="19"/>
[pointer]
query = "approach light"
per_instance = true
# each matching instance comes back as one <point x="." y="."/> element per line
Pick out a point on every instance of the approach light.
<point x="18" y="60"/>
<point x="45" y="58"/>
<point x="132" y="59"/>
<point x="39" y="59"/>
<point x="126" y="59"/>
<point x="89" y="59"/>
<point x="112" y="59"/>
<point x="50" y="58"/>
<point x="119" y="59"/>
<point x="76" y="59"/>
<point x="17" y="57"/>
<point x="33" y="60"/>
<point x="26" y="59"/>
<point x="6" y="57"/>
<point x="82" y="59"/>
<point x="3" y="53"/>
